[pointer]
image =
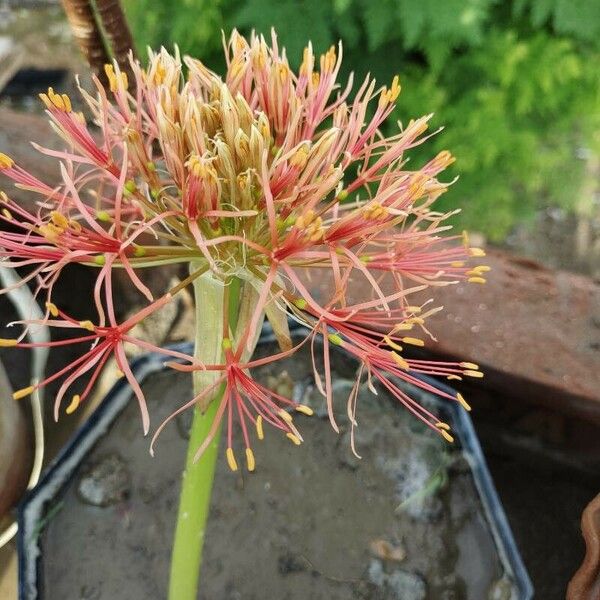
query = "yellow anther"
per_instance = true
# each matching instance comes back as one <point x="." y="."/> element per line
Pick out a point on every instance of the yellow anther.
<point x="231" y="459"/>
<point x="264" y="127"/>
<point x="23" y="392"/>
<point x="66" y="102"/>
<point x="374" y="210"/>
<point x="112" y="78"/>
<point x="74" y="404"/>
<point x="454" y="377"/>
<point x="317" y="234"/>
<point x="52" y="309"/>
<point x="476" y="280"/>
<point x="476" y="251"/>
<point x="285" y="416"/>
<point x="443" y="159"/>
<point x="306" y="219"/>
<point x="7" y="214"/>
<point x="463" y="402"/>
<point x="465" y="238"/>
<point x="119" y="374"/>
<point x="395" y="88"/>
<point x="132" y="135"/>
<point x="44" y="98"/>
<point x="415" y="320"/>
<point x="403" y="326"/>
<point x="159" y="73"/>
<point x="442" y="425"/>
<point x="250" y="459"/>
<point x="58" y="101"/>
<point x="295" y="439"/>
<point x="417" y="185"/>
<point x="103" y="215"/>
<point x="469" y="365"/>
<point x="476" y="374"/>
<point x="400" y="361"/>
<point x="59" y="219"/>
<point x="413" y="309"/>
<point x="446" y="436"/>
<point x="306" y="60"/>
<point x="8" y="342"/>
<point x="87" y="325"/>
<point x="51" y="232"/>
<point x="328" y="59"/>
<point x="6" y="162"/>
<point x="390" y="95"/>
<point x="259" y="428"/>
<point x="391" y="343"/>
<point x="305" y="410"/>
<point x="413" y="341"/>
<point x="457" y="264"/>
<point x="479" y="270"/>
<point x="300" y="156"/>
<point x="200" y="168"/>
<point x="261" y="57"/>
<point x="110" y="75"/>
<point x="313" y="229"/>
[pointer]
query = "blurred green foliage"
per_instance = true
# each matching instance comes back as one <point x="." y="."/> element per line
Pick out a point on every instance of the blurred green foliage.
<point x="515" y="84"/>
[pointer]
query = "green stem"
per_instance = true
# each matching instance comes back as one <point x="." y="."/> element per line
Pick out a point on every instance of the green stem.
<point x="197" y="480"/>
<point x="194" y="505"/>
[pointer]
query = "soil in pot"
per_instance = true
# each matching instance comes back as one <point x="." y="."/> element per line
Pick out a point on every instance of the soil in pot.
<point x="312" y="522"/>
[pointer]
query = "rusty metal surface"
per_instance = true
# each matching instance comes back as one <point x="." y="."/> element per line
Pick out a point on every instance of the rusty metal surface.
<point x="536" y="332"/>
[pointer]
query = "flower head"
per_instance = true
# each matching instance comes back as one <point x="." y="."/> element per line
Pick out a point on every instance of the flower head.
<point x="255" y="179"/>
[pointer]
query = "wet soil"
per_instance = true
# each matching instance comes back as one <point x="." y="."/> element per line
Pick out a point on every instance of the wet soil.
<point x="312" y="522"/>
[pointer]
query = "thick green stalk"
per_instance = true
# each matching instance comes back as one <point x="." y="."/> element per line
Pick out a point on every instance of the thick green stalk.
<point x="194" y="505"/>
<point x="197" y="480"/>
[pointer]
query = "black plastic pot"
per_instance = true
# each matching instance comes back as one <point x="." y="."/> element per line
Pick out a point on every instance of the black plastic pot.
<point x="38" y="508"/>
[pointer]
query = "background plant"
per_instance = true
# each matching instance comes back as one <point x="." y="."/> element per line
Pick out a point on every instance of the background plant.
<point x="515" y="84"/>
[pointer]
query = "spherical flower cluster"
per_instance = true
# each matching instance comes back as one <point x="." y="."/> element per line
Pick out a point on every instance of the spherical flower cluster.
<point x="254" y="180"/>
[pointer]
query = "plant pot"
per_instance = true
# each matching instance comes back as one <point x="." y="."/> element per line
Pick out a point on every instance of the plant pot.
<point x="585" y="584"/>
<point x="414" y="518"/>
<point x="14" y="448"/>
